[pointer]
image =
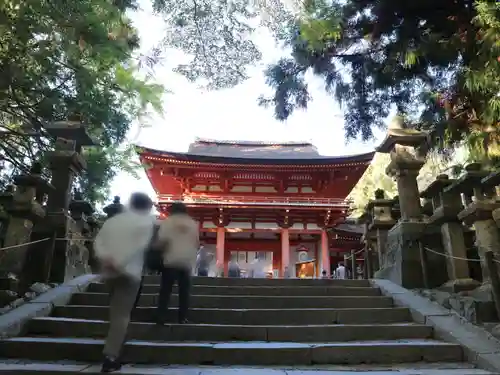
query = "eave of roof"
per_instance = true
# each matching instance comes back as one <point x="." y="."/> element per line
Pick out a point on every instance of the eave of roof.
<point x="251" y="143"/>
<point x="173" y="157"/>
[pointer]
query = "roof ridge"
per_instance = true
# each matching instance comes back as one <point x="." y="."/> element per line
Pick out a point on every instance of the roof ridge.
<point x="257" y="143"/>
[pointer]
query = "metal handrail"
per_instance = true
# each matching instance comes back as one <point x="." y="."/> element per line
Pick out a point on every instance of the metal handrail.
<point x="210" y="199"/>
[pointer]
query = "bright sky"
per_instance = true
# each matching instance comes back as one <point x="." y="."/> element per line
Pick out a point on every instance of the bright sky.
<point x="231" y="114"/>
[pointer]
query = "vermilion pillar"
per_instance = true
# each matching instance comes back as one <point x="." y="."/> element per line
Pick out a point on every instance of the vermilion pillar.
<point x="285" y="251"/>
<point x="219" y="254"/>
<point x="325" y="252"/>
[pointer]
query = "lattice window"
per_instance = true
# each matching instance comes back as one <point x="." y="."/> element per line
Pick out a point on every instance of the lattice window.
<point x="211" y="175"/>
<point x="254" y="176"/>
<point x="301" y="177"/>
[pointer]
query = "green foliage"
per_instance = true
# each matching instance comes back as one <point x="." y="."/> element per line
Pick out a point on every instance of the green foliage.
<point x="435" y="61"/>
<point x="321" y="24"/>
<point x="63" y="58"/>
<point x="375" y="177"/>
<point x="214" y="34"/>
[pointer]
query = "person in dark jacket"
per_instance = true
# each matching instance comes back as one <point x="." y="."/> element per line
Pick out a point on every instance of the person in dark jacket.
<point x="179" y="236"/>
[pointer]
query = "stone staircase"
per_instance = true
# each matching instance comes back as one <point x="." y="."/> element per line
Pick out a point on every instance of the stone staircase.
<point x="245" y="322"/>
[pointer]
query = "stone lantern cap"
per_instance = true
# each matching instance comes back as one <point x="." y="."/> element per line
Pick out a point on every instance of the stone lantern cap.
<point x="437" y="186"/>
<point x="492" y="180"/>
<point x="379" y="201"/>
<point x="114" y="208"/>
<point x="70" y="129"/>
<point x="404" y="137"/>
<point x="472" y="179"/>
<point x="34" y="179"/>
<point x="80" y="206"/>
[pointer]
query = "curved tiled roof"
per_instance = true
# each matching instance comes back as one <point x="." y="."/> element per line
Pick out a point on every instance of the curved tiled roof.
<point x="254" y="149"/>
<point x="252" y="143"/>
<point x="318" y="160"/>
<point x="252" y="152"/>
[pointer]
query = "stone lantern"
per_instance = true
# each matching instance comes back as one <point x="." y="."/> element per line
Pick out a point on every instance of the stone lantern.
<point x="478" y="211"/>
<point x="407" y="151"/>
<point x="65" y="163"/>
<point x="446" y="207"/>
<point x="25" y="211"/>
<point x="381" y="222"/>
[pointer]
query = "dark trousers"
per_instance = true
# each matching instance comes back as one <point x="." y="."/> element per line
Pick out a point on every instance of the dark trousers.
<point x="139" y="292"/>
<point x="170" y="276"/>
<point x="202" y="272"/>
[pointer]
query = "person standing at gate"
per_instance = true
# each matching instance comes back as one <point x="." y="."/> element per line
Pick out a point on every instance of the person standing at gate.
<point x="120" y="246"/>
<point x="179" y="237"/>
<point x="340" y="272"/>
<point x="202" y="262"/>
<point x="233" y="268"/>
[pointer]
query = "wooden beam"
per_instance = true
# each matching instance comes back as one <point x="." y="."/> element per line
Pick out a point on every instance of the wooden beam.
<point x="241" y="230"/>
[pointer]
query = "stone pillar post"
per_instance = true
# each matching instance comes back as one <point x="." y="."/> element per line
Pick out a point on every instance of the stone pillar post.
<point x="445" y="208"/>
<point x="402" y="260"/>
<point x="24" y="211"/>
<point x="479" y="213"/>
<point x="285" y="252"/>
<point x="220" y="251"/>
<point x="325" y="253"/>
<point x="65" y="162"/>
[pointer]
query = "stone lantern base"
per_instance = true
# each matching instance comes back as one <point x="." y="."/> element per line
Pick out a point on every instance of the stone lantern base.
<point x="402" y="261"/>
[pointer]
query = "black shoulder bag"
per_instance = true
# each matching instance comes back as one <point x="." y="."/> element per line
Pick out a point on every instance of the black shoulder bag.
<point x="153" y="257"/>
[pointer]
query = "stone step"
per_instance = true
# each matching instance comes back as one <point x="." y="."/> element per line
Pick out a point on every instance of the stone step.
<point x="249" y="317"/>
<point x="247" y="302"/>
<point x="226" y="281"/>
<point x="236" y="353"/>
<point x="259" y="290"/>
<point x="71" y="368"/>
<point x="63" y="327"/>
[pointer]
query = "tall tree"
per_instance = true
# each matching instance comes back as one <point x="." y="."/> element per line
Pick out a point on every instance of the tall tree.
<point x="217" y="35"/>
<point x="63" y="58"/>
<point x="436" y="61"/>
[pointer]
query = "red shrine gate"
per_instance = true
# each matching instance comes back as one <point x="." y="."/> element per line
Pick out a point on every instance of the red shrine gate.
<point x="279" y="199"/>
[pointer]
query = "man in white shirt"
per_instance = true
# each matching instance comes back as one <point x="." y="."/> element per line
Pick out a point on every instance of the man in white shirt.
<point x="202" y="262"/>
<point x="340" y="272"/>
<point x="120" y="246"/>
<point x="179" y="237"/>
